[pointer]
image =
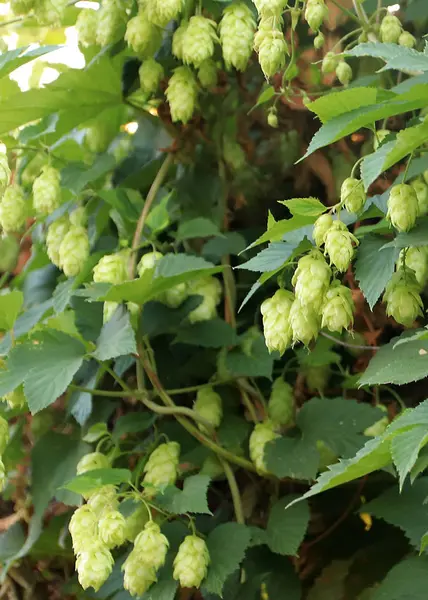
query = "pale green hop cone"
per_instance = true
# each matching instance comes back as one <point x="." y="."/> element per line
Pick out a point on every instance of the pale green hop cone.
<point x="210" y="290"/>
<point x="262" y="434"/>
<point x="338" y="308"/>
<point x="148" y="261"/>
<point x="161" y="12"/>
<point x="281" y="403"/>
<point x="270" y="8"/>
<point x="150" y="73"/>
<point x="407" y="40"/>
<point x="94" y="566"/>
<point x="50" y="12"/>
<point x="47" y="191"/>
<point x="416" y="258"/>
<point x="92" y="461"/>
<point x="315" y="13"/>
<point x="162" y="467"/>
<point x="104" y="500"/>
<point x="199" y="40"/>
<point x="209" y="405"/>
<point x="272" y="53"/>
<point x="352" y="194"/>
<point x="143" y="36"/>
<point x="12" y="209"/>
<point x="74" y="251"/>
<point x="112" y="528"/>
<point x="178" y="38"/>
<point x="344" y="72"/>
<point x="321" y="226"/>
<point x="182" y="94"/>
<point x="112" y="18"/>
<point x="338" y="243"/>
<point x="86" y="26"/>
<point x="21" y="7"/>
<point x="305" y="323"/>
<point x="151" y="546"/>
<point x="237" y="28"/>
<point x="403" y="208"/>
<point x="390" y="29"/>
<point x="83" y="528"/>
<point x="402" y="297"/>
<point x="111" y="268"/>
<point x="421" y="190"/>
<point x="276" y="321"/>
<point x="138" y="576"/>
<point x="311" y="279"/>
<point x="191" y="562"/>
<point x="267" y="27"/>
<point x="207" y="74"/>
<point x="329" y="63"/>
<point x="55" y="234"/>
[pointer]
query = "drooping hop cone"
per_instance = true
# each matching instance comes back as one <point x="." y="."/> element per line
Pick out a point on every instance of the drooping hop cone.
<point x="352" y="194"/>
<point x="272" y="53"/>
<point x="305" y="322"/>
<point x="21" y="7"/>
<point x="94" y="566"/>
<point x="210" y="290"/>
<point x="148" y="261"/>
<point x="91" y="461"/>
<point x="338" y="243"/>
<point x="150" y="74"/>
<point x="143" y="36"/>
<point x="162" y="466"/>
<point x="83" y="528"/>
<point x="86" y="26"/>
<point x="338" y="308"/>
<point x="104" y="500"/>
<point x="209" y="405"/>
<point x="260" y="436"/>
<point x="390" y="29"/>
<point x="161" y="12"/>
<point x="182" y="94"/>
<point x="237" y="28"/>
<point x="74" y="251"/>
<point x="12" y="209"/>
<point x="403" y="208"/>
<point x="281" y="403"/>
<point x="416" y="258"/>
<point x="137" y="576"/>
<point x="276" y="321"/>
<point x="199" y="40"/>
<point x="47" y="191"/>
<point x="111" y="268"/>
<point x="112" y="18"/>
<point x="112" y="527"/>
<point x="315" y="13"/>
<point x="191" y="562"/>
<point x="50" y="12"/>
<point x="321" y="226"/>
<point x="402" y="297"/>
<point x="311" y="279"/>
<point x="151" y="545"/>
<point x="56" y="233"/>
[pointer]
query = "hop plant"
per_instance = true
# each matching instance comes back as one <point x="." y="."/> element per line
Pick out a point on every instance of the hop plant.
<point x="104" y="499"/>
<point x="50" y="12"/>
<point x="162" y="467"/>
<point x="304" y="321"/>
<point x="233" y="154"/>
<point x="47" y="191"/>
<point x="191" y="562"/>
<point x="276" y="321"/>
<point x="150" y="74"/>
<point x="135" y="522"/>
<point x="92" y="461"/>
<point x="4" y="172"/>
<point x="143" y="36"/>
<point x="311" y="279"/>
<point x="237" y="28"/>
<point x="111" y="22"/>
<point x="321" y="226"/>
<point x="83" y="528"/>
<point x="319" y="41"/>
<point x="161" y="12"/>
<point x="138" y="576"/>
<point x="199" y="40"/>
<point x="344" y="72"/>
<point x="207" y="74"/>
<point x="265" y="28"/>
<point x="12" y="209"/>
<point x="352" y="194"/>
<point x="182" y="92"/>
<point x="21" y="7"/>
<point x="112" y="527"/>
<point x="270" y="8"/>
<point x="329" y="63"/>
<point x="272" y="53"/>
<point x="338" y="245"/>
<point x="390" y="29"/>
<point x="212" y="467"/>
<point x="260" y="436"/>
<point x="407" y="40"/>
<point x="175" y="295"/>
<point x="281" y="403"/>
<point x="86" y="26"/>
<point x="417" y="260"/>
<point x="379" y="136"/>
<point x="16" y="399"/>
<point x="151" y="546"/>
<point x="317" y="378"/>
<point x="210" y="290"/>
<point x="338" y="308"/>
<point x="4" y="434"/>
<point x="3" y="477"/>
<point x="55" y="234"/>
<point x="272" y="119"/>
<point x="111" y="268"/>
<point x="148" y="261"/>
<point x="403" y="208"/>
<point x="178" y="39"/>
<point x="315" y="13"/>
<point x="402" y="297"/>
<point x="74" y="251"/>
<point x="421" y="190"/>
<point x="94" y="566"/>
<point x="97" y="137"/>
<point x="209" y="405"/>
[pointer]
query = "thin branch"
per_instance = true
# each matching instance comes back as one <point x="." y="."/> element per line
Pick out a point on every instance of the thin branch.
<point x="347" y="344"/>
<point x="234" y="490"/>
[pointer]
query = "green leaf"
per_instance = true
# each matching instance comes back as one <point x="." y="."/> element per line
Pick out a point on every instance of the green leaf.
<point x="374" y="267"/>
<point x="259" y="364"/>
<point x="405" y="449"/>
<point x="227" y="545"/>
<point x="95" y="432"/>
<point x="214" y="333"/>
<point x="396" y="56"/>
<point x="296" y="458"/>
<point x="338" y="103"/>
<point x="197" y="228"/>
<point x="266" y="95"/>
<point x="92" y="480"/>
<point x="280" y="228"/>
<point x="177" y="264"/>
<point x="399" y="365"/>
<point x="10" y="305"/>
<point x="287" y="528"/>
<point x="11" y="541"/>
<point x="13" y="59"/>
<point x="271" y="258"/>
<point x="408" y="580"/>
<point x="310" y="207"/>
<point x="418" y="236"/>
<point x="231" y="242"/>
<point x="117" y="337"/>
<point x="76" y="176"/>
<point x="193" y="497"/>
<point x="132" y="423"/>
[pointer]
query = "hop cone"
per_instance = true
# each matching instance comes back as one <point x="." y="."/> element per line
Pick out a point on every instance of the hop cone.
<point x="210" y="290"/>
<point x="83" y="528"/>
<point x="198" y="40"/>
<point x="94" y="566"/>
<point x="12" y="209"/>
<point x="272" y="53"/>
<point x="191" y="562"/>
<point x="151" y="546"/>
<point x="315" y="13"/>
<point x="178" y="39"/>
<point x="268" y="8"/>
<point x="56" y="233"/>
<point x="260" y="436"/>
<point x="103" y="500"/>
<point x="109" y="308"/>
<point x="162" y="466"/>
<point x="21" y="7"/>
<point x="111" y="269"/>
<point x="4" y="173"/>
<point x="417" y="260"/>
<point x="209" y="405"/>
<point x="329" y="63"/>
<point x="182" y="94"/>
<point x="50" y="12"/>
<point x="150" y="73"/>
<point x="267" y="26"/>
<point x="86" y="26"/>
<point x="3" y="478"/>
<point x="272" y="119"/>
<point x="403" y="301"/>
<point x="343" y="72"/>
<point x="390" y="29"/>
<point x="74" y="251"/>
<point x="29" y="172"/>
<point x="319" y="41"/>
<point x="175" y="295"/>
<point x="143" y="36"/>
<point x="148" y="261"/>
<point x="112" y="526"/>
<point x="403" y="207"/>
<point x="380" y="135"/>
<point x="338" y="245"/>
<point x="237" y="28"/>
<point x="4" y="434"/>
<point x="111" y="21"/>
<point x="421" y="190"/>
<point x="276" y="321"/>
<point x="407" y="40"/>
<point x="281" y="403"/>
<point x="338" y="308"/>
<point x="352" y="195"/>
<point x="92" y="461"/>
<point x="233" y="153"/>
<point x="135" y="522"/>
<point x="321" y="226"/>
<point x="47" y="191"/>
<point x="161" y="12"/>
<point x="317" y="378"/>
<point x="138" y="577"/>
<point x="97" y="137"/>
<point x="207" y="74"/>
<point x="311" y="279"/>
<point x="305" y="323"/>
<point x="16" y="399"/>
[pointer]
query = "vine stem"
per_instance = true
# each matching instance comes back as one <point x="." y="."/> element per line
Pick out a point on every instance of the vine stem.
<point x="157" y="182"/>
<point x="347" y="344"/>
<point x="234" y="490"/>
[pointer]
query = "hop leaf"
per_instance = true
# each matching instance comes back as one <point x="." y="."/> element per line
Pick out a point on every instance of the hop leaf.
<point x="12" y="209"/>
<point x="143" y="36"/>
<point x="162" y="467"/>
<point x="182" y="94"/>
<point x="260" y="436"/>
<point x="281" y="403"/>
<point x="55" y="234"/>
<point x="74" y="251"/>
<point x="276" y="321"/>
<point x="4" y="434"/>
<point x="379" y="427"/>
<point x="417" y="260"/>
<point x="352" y="194"/>
<point x="321" y="226"/>
<point x="109" y="308"/>
<point x="311" y="279"/>
<point x="94" y="566"/>
<point x="237" y="28"/>
<point x="210" y="290"/>
<point x="338" y="245"/>
<point x="150" y="74"/>
<point x="317" y="378"/>
<point x="208" y="405"/>
<point x="47" y="191"/>
<point x="138" y="576"/>
<point x="338" y="309"/>
<point x="198" y="40"/>
<point x="379" y="136"/>
<point x="91" y="461"/>
<point x="272" y="53"/>
<point x="111" y="22"/>
<point x="403" y="207"/>
<point x="191" y="562"/>
<point x="343" y="72"/>
<point x="421" y="190"/>
<point x="112" y="527"/>
<point x="390" y="29"/>
<point x="111" y="269"/>
<point x="151" y="546"/>
<point x="305" y="322"/>
<point x="207" y="74"/>
<point x="104" y="499"/>
<point x="161" y="12"/>
<point x="86" y="26"/>
<point x="402" y="297"/>
<point x="315" y="13"/>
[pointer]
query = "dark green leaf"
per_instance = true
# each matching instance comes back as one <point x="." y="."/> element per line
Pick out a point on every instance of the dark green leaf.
<point x="10" y="305"/>
<point x="408" y="580"/>
<point x="374" y="267"/>
<point x="259" y="364"/>
<point x="133" y="423"/>
<point x="193" y="497"/>
<point x="117" y="337"/>
<point x="287" y="528"/>
<point x="215" y="333"/>
<point x="273" y="257"/>
<point x="195" y="228"/>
